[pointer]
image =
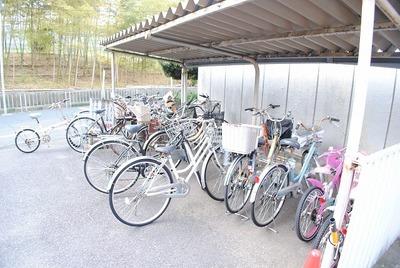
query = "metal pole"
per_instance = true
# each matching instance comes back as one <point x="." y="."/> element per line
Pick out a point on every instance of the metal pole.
<point x="112" y="74"/>
<point x="3" y="90"/>
<point x="184" y="84"/>
<point x="356" y="119"/>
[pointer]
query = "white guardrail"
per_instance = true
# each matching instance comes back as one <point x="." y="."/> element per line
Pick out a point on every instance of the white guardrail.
<point x="375" y="219"/>
<point x="21" y="100"/>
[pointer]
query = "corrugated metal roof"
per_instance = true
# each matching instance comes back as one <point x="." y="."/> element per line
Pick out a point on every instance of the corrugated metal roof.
<point x="207" y="31"/>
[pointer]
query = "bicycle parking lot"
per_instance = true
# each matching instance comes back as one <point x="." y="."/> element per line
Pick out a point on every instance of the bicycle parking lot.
<point x="53" y="218"/>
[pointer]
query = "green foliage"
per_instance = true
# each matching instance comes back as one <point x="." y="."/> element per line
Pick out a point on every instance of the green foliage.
<point x="174" y="71"/>
<point x="40" y="40"/>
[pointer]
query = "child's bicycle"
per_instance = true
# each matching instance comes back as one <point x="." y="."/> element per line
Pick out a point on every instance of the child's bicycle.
<point x="314" y="203"/>
<point x="28" y="140"/>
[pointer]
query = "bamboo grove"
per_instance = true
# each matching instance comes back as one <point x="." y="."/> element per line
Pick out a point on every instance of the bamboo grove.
<point x="55" y="43"/>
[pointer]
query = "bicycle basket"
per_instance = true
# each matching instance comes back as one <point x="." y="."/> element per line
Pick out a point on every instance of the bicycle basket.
<point x="306" y="137"/>
<point x="120" y="108"/>
<point x="187" y="127"/>
<point x="216" y="136"/>
<point x="286" y="128"/>
<point x="240" y="138"/>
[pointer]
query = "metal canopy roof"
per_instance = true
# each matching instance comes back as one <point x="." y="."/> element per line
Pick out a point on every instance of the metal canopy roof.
<point x="214" y="31"/>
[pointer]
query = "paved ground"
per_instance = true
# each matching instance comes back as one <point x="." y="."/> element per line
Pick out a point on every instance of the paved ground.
<point x="51" y="217"/>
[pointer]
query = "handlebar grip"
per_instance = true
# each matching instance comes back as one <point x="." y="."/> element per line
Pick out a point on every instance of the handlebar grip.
<point x="203" y="96"/>
<point x="190" y="101"/>
<point x="273" y="106"/>
<point x="335" y="119"/>
<point x="249" y="109"/>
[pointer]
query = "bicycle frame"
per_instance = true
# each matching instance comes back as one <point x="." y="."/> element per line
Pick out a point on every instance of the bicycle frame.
<point x="181" y="186"/>
<point x="295" y="188"/>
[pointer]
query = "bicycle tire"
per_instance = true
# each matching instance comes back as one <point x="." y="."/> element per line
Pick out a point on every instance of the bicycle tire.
<point x="267" y="205"/>
<point x="80" y="131"/>
<point x="307" y="220"/>
<point x="321" y="240"/>
<point x="157" y="139"/>
<point x="214" y="175"/>
<point x="131" y="182"/>
<point x="27" y="140"/>
<point x="103" y="159"/>
<point x="239" y="187"/>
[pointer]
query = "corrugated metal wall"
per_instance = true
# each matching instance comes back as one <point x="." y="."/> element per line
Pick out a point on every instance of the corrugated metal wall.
<point x="311" y="91"/>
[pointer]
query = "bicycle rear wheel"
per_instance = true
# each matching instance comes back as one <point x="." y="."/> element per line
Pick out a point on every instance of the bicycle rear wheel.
<point x="81" y="132"/>
<point x="103" y="159"/>
<point x="133" y="197"/>
<point x="214" y="174"/>
<point x="238" y="189"/>
<point x="267" y="204"/>
<point x="27" y="140"/>
<point x="157" y="139"/>
<point x="308" y="219"/>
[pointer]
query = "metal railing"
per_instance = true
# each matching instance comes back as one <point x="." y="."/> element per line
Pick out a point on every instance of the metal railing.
<point x="20" y="100"/>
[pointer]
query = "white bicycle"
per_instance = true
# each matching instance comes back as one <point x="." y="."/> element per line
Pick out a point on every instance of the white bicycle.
<point x="28" y="140"/>
<point x="142" y="188"/>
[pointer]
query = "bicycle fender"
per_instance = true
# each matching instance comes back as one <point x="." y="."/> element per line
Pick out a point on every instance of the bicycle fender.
<point x="257" y="185"/>
<point x="316" y="183"/>
<point x="129" y="162"/>
<point x="203" y="171"/>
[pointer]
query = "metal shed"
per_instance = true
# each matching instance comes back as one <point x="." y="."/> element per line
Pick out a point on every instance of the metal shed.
<point x="231" y="31"/>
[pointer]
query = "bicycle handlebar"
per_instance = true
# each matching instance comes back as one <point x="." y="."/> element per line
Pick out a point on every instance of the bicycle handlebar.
<point x="57" y="104"/>
<point x="312" y="128"/>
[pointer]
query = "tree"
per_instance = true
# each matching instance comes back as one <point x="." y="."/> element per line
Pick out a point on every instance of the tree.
<point x="174" y="70"/>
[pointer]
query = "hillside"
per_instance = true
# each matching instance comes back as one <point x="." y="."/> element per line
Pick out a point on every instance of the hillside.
<point x="48" y="71"/>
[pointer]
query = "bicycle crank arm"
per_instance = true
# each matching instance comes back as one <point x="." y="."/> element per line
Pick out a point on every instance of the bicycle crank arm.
<point x="294" y="189"/>
<point x="178" y="189"/>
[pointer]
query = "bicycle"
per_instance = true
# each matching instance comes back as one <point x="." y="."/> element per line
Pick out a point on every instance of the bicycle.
<point x="28" y="140"/>
<point x="330" y="233"/>
<point x="142" y="188"/>
<point x="312" y="208"/>
<point x="106" y="155"/>
<point x="268" y="196"/>
<point x="250" y="160"/>
<point x="85" y="130"/>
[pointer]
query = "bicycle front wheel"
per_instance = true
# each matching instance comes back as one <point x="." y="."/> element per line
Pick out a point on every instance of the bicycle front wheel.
<point x="309" y="217"/>
<point x="103" y="159"/>
<point x="81" y="132"/>
<point x="238" y="189"/>
<point x="214" y="174"/>
<point x="27" y="140"/>
<point x="139" y="192"/>
<point x="268" y="204"/>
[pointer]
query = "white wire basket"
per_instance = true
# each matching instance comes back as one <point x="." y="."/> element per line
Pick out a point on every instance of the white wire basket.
<point x="142" y="113"/>
<point x="188" y="127"/>
<point x="215" y="134"/>
<point x="240" y="138"/>
<point x="306" y="137"/>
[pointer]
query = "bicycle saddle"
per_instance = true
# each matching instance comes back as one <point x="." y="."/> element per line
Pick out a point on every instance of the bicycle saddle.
<point x="166" y="150"/>
<point x="133" y="128"/>
<point x="99" y="111"/>
<point x="35" y="115"/>
<point x="291" y="142"/>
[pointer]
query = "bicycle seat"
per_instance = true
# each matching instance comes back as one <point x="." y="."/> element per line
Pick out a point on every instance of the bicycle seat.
<point x="35" y="115"/>
<point x="166" y="150"/>
<point x="291" y="142"/>
<point x="133" y="128"/>
<point x="99" y="111"/>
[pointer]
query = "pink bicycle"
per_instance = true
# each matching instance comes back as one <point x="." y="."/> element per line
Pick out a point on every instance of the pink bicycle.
<point x="313" y="206"/>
